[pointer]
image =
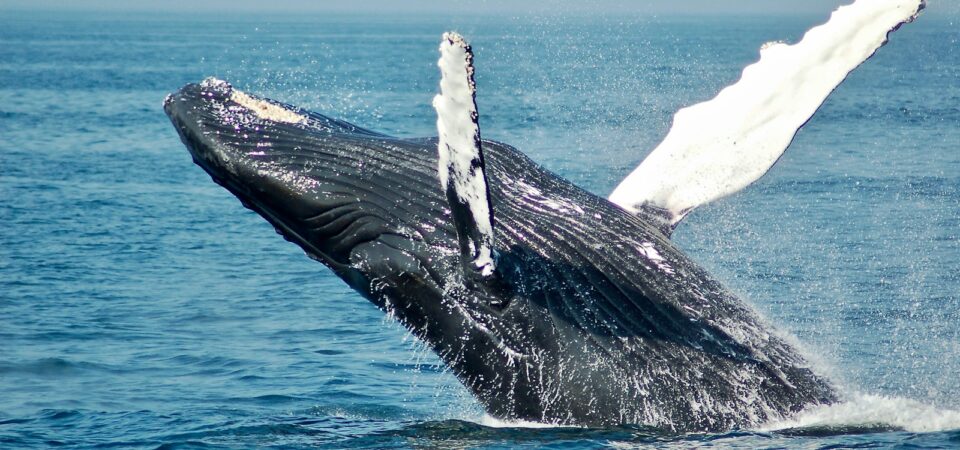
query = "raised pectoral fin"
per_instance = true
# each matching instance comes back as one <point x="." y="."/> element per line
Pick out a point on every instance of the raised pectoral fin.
<point x="720" y="146"/>
<point x="461" y="166"/>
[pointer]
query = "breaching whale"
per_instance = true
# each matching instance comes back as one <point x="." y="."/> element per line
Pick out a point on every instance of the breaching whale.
<point x="549" y="303"/>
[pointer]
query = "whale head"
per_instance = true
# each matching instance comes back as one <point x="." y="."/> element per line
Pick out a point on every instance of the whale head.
<point x="367" y="205"/>
<point x="319" y="181"/>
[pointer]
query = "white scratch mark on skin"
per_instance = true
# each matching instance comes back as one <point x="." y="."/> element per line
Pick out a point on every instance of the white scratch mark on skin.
<point x="534" y="194"/>
<point x="265" y="109"/>
<point x="650" y="252"/>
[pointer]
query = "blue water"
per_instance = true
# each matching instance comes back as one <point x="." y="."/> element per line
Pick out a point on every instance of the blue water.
<point x="142" y="306"/>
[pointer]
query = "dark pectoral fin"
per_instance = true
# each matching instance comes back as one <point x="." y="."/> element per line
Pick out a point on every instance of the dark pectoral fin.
<point x="461" y="166"/>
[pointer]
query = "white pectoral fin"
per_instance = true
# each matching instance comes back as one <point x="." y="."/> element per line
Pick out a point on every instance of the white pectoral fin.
<point x="461" y="166"/>
<point x="720" y="146"/>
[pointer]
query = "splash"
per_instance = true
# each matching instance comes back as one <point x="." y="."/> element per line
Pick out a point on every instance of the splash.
<point x="874" y="410"/>
<point x="492" y="422"/>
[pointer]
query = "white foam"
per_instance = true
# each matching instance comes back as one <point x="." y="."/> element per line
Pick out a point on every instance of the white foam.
<point x="860" y="410"/>
<point x="490" y="421"/>
<point x="873" y="410"/>
<point x="720" y="146"/>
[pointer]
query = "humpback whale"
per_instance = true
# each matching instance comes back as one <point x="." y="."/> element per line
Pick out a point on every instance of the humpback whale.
<point x="549" y="303"/>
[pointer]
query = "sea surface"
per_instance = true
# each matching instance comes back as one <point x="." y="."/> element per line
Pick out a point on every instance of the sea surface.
<point x="141" y="306"/>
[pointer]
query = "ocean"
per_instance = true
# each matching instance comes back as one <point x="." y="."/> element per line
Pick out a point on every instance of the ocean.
<point x="141" y="306"/>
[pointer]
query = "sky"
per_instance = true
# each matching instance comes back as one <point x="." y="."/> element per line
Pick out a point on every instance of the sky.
<point x="435" y="6"/>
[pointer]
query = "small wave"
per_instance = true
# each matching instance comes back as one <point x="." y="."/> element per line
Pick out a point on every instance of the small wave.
<point x="873" y="412"/>
<point x="496" y="430"/>
<point x="329" y="352"/>
<point x="270" y="399"/>
<point x="51" y="367"/>
<point x="493" y="422"/>
<point x="861" y="414"/>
